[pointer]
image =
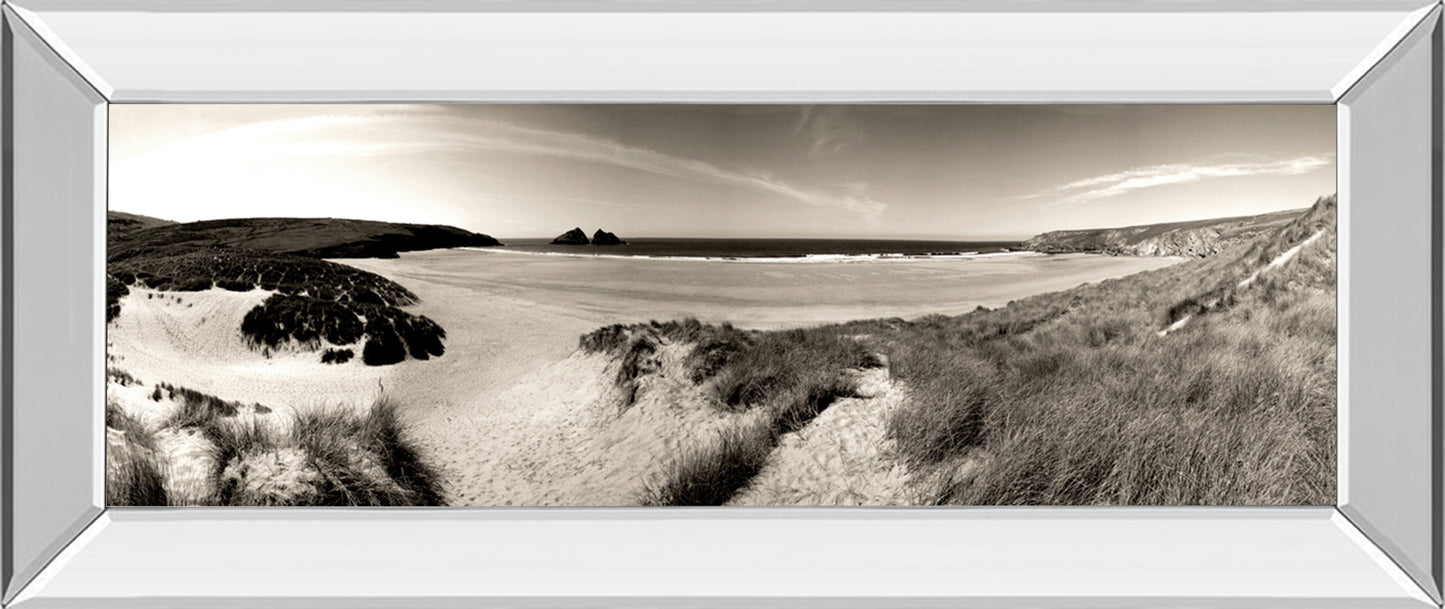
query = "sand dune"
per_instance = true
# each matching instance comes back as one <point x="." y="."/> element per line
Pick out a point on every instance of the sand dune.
<point x="193" y="340"/>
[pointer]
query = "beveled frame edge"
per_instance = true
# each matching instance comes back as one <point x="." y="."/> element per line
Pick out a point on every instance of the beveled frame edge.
<point x="751" y="6"/>
<point x="1198" y="559"/>
<point x="75" y="101"/>
<point x="1405" y="14"/>
<point x="93" y="527"/>
<point x="1391" y="505"/>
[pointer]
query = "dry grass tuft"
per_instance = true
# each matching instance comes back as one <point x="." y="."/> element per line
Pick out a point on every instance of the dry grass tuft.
<point x="249" y="456"/>
<point x="325" y="457"/>
<point x="134" y="473"/>
<point x="711" y="474"/>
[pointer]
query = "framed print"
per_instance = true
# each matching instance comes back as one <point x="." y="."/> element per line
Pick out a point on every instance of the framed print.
<point x="813" y="304"/>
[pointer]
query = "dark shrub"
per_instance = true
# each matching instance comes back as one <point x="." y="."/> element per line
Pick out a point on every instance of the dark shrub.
<point x="179" y="267"/>
<point x="383" y="349"/>
<point x="125" y="379"/>
<point x="235" y="285"/>
<point x="115" y="289"/>
<point x="283" y="318"/>
<point x="423" y="336"/>
<point x="366" y="296"/>
<point x="197" y="284"/>
<point x="336" y="356"/>
<point x="390" y="333"/>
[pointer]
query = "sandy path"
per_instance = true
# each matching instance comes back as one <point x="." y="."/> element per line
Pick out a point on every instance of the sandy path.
<point x="842" y="457"/>
<point x="518" y="447"/>
<point x="1280" y="260"/>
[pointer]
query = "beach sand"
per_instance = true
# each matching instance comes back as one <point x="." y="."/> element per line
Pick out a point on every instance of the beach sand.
<point x="506" y="411"/>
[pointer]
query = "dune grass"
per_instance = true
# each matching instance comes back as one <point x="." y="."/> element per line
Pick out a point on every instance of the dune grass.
<point x="637" y="345"/>
<point x="134" y="475"/>
<point x="785" y="367"/>
<point x="712" y="473"/>
<point x="328" y="457"/>
<point x="324" y="457"/>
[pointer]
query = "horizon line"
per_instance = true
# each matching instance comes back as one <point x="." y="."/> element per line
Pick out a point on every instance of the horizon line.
<point x="945" y="238"/>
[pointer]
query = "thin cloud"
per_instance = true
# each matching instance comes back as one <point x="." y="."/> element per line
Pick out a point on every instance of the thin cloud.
<point x="828" y="127"/>
<point x="393" y="133"/>
<point x="524" y="140"/>
<point x="1152" y="176"/>
<point x="861" y="205"/>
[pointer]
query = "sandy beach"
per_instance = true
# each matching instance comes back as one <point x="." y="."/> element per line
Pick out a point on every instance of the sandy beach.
<point x="511" y="385"/>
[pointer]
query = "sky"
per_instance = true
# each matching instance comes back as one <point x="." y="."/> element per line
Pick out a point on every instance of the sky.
<point x="956" y="172"/>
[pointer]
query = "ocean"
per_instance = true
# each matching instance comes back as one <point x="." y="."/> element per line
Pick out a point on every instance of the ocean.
<point x="759" y="250"/>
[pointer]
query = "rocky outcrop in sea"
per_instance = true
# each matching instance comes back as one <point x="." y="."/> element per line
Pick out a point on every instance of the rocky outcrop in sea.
<point x="602" y="237"/>
<point x="571" y="237"/>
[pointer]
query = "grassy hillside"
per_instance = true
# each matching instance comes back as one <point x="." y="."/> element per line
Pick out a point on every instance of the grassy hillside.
<point x="121" y="223"/>
<point x="1195" y="239"/>
<point x="310" y="237"/>
<point x="1090" y="396"/>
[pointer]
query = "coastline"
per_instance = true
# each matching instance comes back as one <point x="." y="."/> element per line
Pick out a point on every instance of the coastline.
<point x="794" y="259"/>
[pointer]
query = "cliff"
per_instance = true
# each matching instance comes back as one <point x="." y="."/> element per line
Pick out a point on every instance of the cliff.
<point x="1195" y="239"/>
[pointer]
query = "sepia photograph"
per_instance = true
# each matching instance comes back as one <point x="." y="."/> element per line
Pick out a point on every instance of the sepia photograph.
<point x="721" y="305"/>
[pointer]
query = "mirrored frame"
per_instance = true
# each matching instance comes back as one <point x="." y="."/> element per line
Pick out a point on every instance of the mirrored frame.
<point x="65" y="61"/>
